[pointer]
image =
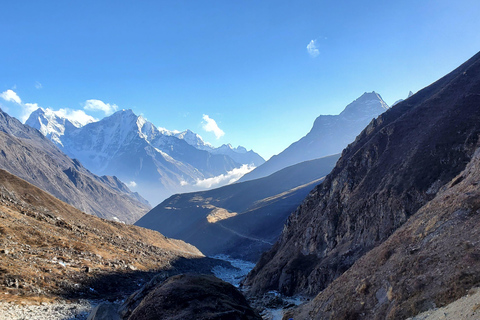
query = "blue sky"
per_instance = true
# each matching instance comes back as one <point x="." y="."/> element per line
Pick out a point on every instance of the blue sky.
<point x="244" y="64"/>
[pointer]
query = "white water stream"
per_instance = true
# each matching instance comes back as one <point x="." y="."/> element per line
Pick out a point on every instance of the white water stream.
<point x="235" y="276"/>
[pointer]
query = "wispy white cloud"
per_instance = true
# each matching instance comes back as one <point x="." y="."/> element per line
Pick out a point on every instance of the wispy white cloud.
<point x="77" y="117"/>
<point x="132" y="184"/>
<point x="10" y="96"/>
<point x="38" y="85"/>
<point x="99" y="105"/>
<point x="210" y="125"/>
<point x="26" y="108"/>
<point x="224" y="179"/>
<point x="312" y="49"/>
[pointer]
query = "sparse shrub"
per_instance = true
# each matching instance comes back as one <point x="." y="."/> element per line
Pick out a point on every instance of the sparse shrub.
<point x="384" y="255"/>
<point x="362" y="288"/>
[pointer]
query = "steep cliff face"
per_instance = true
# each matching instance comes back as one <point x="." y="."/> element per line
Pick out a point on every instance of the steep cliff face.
<point x="395" y="166"/>
<point x="432" y="260"/>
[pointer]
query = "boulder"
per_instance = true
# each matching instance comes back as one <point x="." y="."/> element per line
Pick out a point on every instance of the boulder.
<point x="189" y="296"/>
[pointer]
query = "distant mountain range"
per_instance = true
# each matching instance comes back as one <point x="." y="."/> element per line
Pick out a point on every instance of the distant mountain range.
<point x="26" y="153"/>
<point x="329" y="135"/>
<point x="253" y="210"/>
<point x="242" y="219"/>
<point x="155" y="162"/>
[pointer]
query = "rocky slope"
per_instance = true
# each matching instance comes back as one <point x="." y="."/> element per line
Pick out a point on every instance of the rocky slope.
<point x="394" y="167"/>
<point x="154" y="161"/>
<point x="329" y="135"/>
<point x="432" y="260"/>
<point x="26" y="153"/>
<point x="243" y="219"/>
<point x="50" y="249"/>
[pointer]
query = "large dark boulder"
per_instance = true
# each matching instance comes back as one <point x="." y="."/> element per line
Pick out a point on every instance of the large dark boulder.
<point x="189" y="296"/>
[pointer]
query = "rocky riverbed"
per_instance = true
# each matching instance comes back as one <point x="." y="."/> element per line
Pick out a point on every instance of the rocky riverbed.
<point x="60" y="310"/>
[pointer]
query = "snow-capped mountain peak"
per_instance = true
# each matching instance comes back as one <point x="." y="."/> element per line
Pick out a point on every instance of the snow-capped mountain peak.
<point x="194" y="140"/>
<point x="159" y="162"/>
<point x="53" y="124"/>
<point x="363" y="107"/>
<point x="329" y="135"/>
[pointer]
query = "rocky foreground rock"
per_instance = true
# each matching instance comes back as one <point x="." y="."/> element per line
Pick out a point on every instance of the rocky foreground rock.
<point x="178" y="297"/>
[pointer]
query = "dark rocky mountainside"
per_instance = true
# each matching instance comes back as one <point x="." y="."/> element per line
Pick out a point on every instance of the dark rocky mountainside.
<point x="329" y="135"/>
<point x="394" y="167"/>
<point x="26" y="153"/>
<point x="243" y="219"/>
<point x="50" y="249"/>
<point x="432" y="260"/>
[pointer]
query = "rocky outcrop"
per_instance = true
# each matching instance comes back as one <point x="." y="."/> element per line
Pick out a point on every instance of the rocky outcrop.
<point x="194" y="297"/>
<point x="394" y="167"/>
<point x="242" y="219"/>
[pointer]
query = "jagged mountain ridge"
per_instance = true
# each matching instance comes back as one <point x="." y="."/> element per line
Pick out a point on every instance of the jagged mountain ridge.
<point x="394" y="167"/>
<point x="242" y="219"/>
<point x="238" y="154"/>
<point x="329" y="135"/>
<point x="154" y="160"/>
<point x="26" y="153"/>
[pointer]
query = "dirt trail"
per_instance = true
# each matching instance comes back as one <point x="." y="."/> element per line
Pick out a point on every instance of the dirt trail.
<point x="244" y="236"/>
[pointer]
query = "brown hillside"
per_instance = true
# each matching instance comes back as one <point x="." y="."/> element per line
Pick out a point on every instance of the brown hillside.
<point x="48" y="248"/>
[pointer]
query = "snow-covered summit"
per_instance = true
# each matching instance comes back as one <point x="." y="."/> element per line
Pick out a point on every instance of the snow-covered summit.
<point x="156" y="161"/>
<point x="410" y="93"/>
<point x="328" y="136"/>
<point x="239" y="154"/>
<point x="368" y="104"/>
<point x="193" y="139"/>
<point x="53" y="124"/>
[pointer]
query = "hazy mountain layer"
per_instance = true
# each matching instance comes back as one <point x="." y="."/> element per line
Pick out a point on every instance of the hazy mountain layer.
<point x="242" y="219"/>
<point x="329" y="135"/>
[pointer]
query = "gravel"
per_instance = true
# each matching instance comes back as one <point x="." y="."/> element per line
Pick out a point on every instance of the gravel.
<point x="61" y="310"/>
